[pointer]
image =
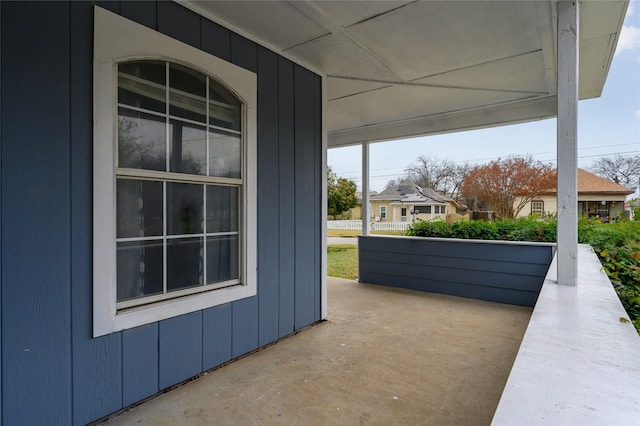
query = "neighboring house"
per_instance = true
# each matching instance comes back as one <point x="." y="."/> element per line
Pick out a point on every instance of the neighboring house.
<point x="407" y="202"/>
<point x="596" y="197"/>
<point x="355" y="213"/>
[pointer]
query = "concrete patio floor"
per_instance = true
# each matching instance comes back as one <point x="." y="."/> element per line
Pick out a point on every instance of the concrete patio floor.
<point x="385" y="356"/>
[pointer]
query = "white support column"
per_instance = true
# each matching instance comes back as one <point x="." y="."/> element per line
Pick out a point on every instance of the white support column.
<point x="365" y="189"/>
<point x="568" y="41"/>
<point x="323" y="254"/>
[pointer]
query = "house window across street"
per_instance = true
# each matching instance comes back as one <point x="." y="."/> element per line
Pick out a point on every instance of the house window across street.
<point x="602" y="209"/>
<point x="439" y="209"/>
<point x="537" y="208"/>
<point x="383" y="212"/>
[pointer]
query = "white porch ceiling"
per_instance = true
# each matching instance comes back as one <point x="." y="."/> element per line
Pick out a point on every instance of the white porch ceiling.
<point x="407" y="68"/>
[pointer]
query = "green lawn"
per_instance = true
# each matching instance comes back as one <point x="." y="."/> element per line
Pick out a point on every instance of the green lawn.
<point x="342" y="261"/>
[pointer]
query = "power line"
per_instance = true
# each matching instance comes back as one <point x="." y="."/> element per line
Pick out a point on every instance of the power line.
<point x="400" y="175"/>
<point x="532" y="154"/>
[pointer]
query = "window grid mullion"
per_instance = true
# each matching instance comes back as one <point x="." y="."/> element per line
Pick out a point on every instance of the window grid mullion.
<point x="164" y="184"/>
<point x="204" y="236"/>
<point x="176" y="177"/>
<point x="164" y="237"/>
<point x="204" y="187"/>
<point x="207" y="122"/>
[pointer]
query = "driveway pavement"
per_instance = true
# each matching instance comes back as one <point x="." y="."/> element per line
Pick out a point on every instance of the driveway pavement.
<point x="339" y="240"/>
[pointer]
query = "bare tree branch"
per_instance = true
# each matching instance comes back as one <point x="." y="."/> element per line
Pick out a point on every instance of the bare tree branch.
<point x="622" y="170"/>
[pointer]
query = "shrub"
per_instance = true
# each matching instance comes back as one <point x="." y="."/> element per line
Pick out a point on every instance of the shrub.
<point x="522" y="229"/>
<point x="618" y="247"/>
<point x="430" y="228"/>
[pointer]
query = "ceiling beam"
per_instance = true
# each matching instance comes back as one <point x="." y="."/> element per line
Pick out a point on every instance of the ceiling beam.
<point x="509" y="113"/>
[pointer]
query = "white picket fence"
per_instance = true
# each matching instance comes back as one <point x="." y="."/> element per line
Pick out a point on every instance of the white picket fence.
<point x="356" y="225"/>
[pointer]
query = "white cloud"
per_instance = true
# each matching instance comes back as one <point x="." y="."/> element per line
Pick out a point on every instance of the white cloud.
<point x="630" y="9"/>
<point x="638" y="114"/>
<point x="629" y="38"/>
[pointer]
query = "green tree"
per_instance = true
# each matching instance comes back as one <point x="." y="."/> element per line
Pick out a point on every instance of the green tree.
<point x="341" y="194"/>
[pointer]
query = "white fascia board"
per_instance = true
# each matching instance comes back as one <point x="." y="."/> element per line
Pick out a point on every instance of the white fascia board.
<point x="497" y="115"/>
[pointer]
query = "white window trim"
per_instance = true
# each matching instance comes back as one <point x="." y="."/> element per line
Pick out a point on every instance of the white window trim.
<point x="117" y="39"/>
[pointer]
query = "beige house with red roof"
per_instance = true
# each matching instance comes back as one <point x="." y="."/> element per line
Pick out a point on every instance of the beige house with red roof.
<point x="596" y="197"/>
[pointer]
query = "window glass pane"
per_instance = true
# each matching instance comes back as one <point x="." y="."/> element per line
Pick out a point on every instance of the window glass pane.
<point x="184" y="208"/>
<point x="185" y="266"/>
<point x="222" y="258"/>
<point x="224" y="107"/>
<point x="224" y="154"/>
<point x="187" y="93"/>
<point x="139" y="269"/>
<point x="222" y="209"/>
<point x="188" y="145"/>
<point x="141" y="140"/>
<point x="142" y="84"/>
<point x="139" y="208"/>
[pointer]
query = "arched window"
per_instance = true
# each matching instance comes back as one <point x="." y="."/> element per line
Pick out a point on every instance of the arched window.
<point x="178" y="181"/>
<point x="174" y="177"/>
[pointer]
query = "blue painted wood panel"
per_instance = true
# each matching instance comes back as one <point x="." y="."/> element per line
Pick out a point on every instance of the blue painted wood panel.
<point x="97" y="378"/>
<point x="215" y="39"/>
<point x="140" y="363"/>
<point x="472" y="291"/>
<point x="268" y="192"/>
<point x="304" y="194"/>
<point x="286" y="179"/>
<point x="245" y="326"/>
<point x="178" y="22"/>
<point x="455" y="275"/>
<point x="444" y="261"/>
<point x="180" y="349"/>
<point x="1" y="353"/>
<point x="464" y="250"/>
<point x="505" y="273"/>
<point x="141" y="11"/>
<point x="216" y="336"/>
<point x="244" y="53"/>
<point x="36" y="305"/>
<point x="112" y="5"/>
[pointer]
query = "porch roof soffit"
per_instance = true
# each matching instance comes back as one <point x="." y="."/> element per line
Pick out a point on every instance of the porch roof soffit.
<point x="399" y="69"/>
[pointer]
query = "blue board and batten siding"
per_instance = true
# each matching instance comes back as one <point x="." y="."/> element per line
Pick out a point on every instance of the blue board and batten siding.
<point x="52" y="370"/>
<point x="495" y="271"/>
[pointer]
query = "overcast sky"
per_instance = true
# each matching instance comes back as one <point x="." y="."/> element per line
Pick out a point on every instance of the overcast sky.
<point x="607" y="125"/>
